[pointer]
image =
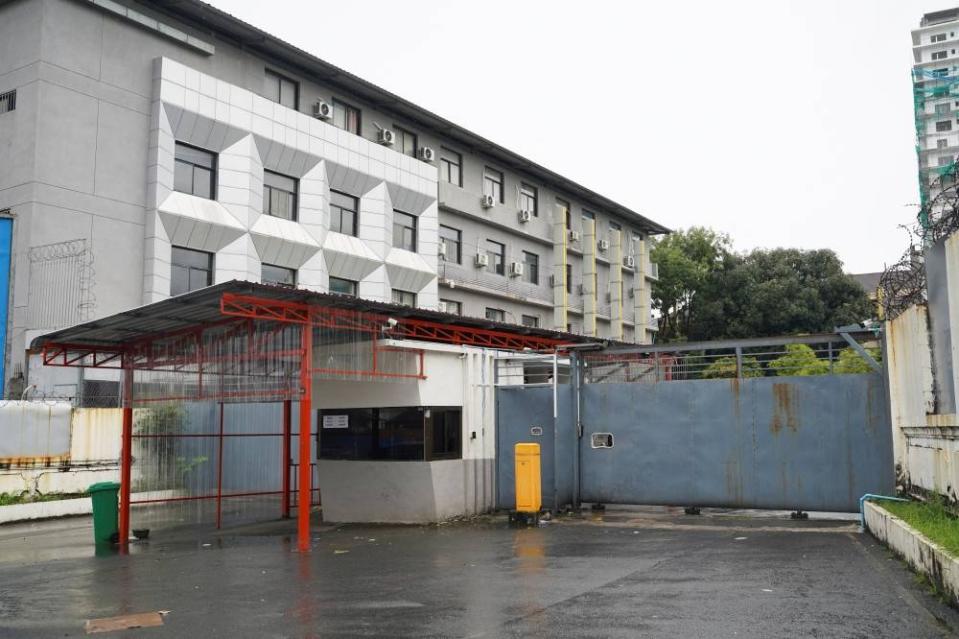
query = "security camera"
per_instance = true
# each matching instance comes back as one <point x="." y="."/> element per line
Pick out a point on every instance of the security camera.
<point x="392" y="322"/>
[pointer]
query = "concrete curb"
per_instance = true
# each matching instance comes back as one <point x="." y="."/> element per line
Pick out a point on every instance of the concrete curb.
<point x="924" y="555"/>
<point x="45" y="509"/>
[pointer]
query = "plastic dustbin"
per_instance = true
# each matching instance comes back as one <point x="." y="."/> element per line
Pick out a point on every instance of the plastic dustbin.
<point x="106" y="525"/>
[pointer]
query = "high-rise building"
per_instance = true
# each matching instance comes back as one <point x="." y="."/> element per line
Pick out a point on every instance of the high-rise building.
<point x="151" y="148"/>
<point x="935" y="48"/>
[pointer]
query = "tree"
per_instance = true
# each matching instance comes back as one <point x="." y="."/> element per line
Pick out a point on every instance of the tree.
<point x="850" y="361"/>
<point x="799" y="359"/>
<point x="686" y="259"/>
<point x="776" y="292"/>
<point x="725" y="367"/>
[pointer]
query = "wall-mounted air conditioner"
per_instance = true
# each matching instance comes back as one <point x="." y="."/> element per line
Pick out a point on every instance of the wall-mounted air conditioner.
<point x="603" y="245"/>
<point x="322" y="110"/>
<point x="629" y="261"/>
<point x="525" y="216"/>
<point x="482" y="260"/>
<point x="441" y="250"/>
<point x="487" y="201"/>
<point x="573" y="236"/>
<point x="427" y="154"/>
<point x="386" y="137"/>
<point x="516" y="269"/>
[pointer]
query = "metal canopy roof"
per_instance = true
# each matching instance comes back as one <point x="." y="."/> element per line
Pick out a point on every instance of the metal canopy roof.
<point x="201" y="307"/>
<point x="207" y="17"/>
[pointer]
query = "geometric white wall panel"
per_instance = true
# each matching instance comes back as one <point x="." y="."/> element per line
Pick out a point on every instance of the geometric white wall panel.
<point x="408" y="271"/>
<point x="282" y="242"/>
<point x="198" y="223"/>
<point x="348" y="257"/>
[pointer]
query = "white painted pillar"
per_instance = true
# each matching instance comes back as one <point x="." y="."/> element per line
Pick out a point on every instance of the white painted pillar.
<point x="616" y="284"/>
<point x="560" y="300"/>
<point x="589" y="277"/>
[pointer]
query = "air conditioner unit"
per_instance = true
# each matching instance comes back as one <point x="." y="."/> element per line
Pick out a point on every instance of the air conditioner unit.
<point x="441" y="250"/>
<point x="487" y="201"/>
<point x="482" y="260"/>
<point x="629" y="261"/>
<point x="525" y="216"/>
<point x="427" y="154"/>
<point x="603" y="245"/>
<point x="574" y="236"/>
<point x="516" y="269"/>
<point x="442" y="307"/>
<point x="322" y="110"/>
<point x="386" y="137"/>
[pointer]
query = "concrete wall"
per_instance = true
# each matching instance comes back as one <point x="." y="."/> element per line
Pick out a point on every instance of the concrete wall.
<point x="417" y="491"/>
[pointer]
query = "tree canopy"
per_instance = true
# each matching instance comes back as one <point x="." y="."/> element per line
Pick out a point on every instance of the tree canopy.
<point x="706" y="291"/>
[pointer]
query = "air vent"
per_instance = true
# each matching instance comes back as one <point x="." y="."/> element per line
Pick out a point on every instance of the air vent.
<point x="8" y="101"/>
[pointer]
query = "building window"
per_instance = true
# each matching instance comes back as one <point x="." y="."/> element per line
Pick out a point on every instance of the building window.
<point x="944" y="125"/>
<point x="527" y="199"/>
<point x="937" y="37"/>
<point x="614" y="226"/>
<point x="280" y="275"/>
<point x="945" y="160"/>
<point x="281" y="89"/>
<point x="939" y="55"/>
<point x="531" y="268"/>
<point x="452" y="241"/>
<point x="189" y="270"/>
<point x="406" y="298"/>
<point x="941" y="144"/>
<point x="531" y="320"/>
<point x="279" y="195"/>
<point x="194" y="171"/>
<point x="569" y="279"/>
<point x="404" y="231"/>
<point x="343" y="216"/>
<point x="346" y="117"/>
<point x="414" y="433"/>
<point x="942" y="109"/>
<point x="940" y="73"/>
<point x="497" y="256"/>
<point x="451" y="306"/>
<point x="342" y="286"/>
<point x="8" y="101"/>
<point x="493" y="184"/>
<point x="589" y="215"/>
<point x="451" y="166"/>
<point x="495" y="314"/>
<point x="405" y="141"/>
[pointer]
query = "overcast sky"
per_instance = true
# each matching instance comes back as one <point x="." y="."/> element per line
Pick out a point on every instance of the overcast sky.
<point x="780" y="123"/>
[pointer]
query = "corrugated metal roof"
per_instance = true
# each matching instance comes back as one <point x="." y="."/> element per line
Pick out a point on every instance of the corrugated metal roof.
<point x="206" y="16"/>
<point x="203" y="307"/>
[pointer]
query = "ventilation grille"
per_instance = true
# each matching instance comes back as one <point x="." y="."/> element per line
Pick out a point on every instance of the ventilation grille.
<point x="8" y="101"/>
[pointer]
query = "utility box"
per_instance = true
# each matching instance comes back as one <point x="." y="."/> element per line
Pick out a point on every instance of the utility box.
<point x="528" y="483"/>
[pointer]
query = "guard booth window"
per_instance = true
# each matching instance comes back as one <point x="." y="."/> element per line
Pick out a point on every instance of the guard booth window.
<point x="415" y="433"/>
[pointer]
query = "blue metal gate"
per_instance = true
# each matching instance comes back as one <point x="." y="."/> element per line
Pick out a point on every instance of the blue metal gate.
<point x="656" y="428"/>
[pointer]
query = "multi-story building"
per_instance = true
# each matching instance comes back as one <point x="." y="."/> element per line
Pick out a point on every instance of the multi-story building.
<point x="935" y="48"/>
<point x="152" y="148"/>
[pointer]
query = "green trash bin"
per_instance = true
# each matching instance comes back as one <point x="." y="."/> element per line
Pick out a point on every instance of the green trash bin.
<point x="106" y="515"/>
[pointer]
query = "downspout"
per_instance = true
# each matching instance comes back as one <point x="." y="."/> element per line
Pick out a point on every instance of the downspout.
<point x="555" y="434"/>
<point x="577" y="426"/>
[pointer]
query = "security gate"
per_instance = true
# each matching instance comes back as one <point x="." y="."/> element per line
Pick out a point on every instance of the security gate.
<point x="750" y="424"/>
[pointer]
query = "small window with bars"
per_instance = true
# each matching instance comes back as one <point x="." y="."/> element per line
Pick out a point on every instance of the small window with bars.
<point x="8" y="101"/>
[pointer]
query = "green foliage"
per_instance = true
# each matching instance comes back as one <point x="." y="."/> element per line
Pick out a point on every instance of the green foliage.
<point x="799" y="360"/>
<point x="850" y="361"/>
<point x="777" y="292"/>
<point x="933" y="519"/>
<point x="8" y="499"/>
<point x="686" y="259"/>
<point x="725" y="367"/>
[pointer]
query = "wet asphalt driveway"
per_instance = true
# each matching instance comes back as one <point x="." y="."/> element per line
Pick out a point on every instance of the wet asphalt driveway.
<point x="649" y="574"/>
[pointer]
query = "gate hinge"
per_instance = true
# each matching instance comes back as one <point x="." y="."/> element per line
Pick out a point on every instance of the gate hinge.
<point x="579" y="429"/>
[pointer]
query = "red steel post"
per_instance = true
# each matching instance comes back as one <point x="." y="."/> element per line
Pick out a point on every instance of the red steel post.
<point x="285" y="462"/>
<point x="126" y="456"/>
<point x="306" y="390"/>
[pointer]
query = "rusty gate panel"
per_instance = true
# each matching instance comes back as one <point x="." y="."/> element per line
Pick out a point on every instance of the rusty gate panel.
<point x="809" y="443"/>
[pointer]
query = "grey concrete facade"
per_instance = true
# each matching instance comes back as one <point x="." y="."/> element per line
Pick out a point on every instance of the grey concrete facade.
<point x="89" y="184"/>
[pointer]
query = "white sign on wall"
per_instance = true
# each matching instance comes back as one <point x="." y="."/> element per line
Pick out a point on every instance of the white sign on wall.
<point x="336" y="421"/>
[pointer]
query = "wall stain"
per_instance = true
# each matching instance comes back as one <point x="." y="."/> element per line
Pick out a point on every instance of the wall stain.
<point x="784" y="410"/>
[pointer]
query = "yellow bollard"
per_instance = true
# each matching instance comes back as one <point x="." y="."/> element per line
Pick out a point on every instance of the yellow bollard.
<point x="528" y="483"/>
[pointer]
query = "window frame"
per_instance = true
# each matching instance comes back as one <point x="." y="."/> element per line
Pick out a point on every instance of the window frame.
<point x="496" y="266"/>
<point x="402" y="294"/>
<point x="370" y="428"/>
<point x="446" y="164"/>
<point x="212" y="169"/>
<point x="529" y="193"/>
<point x="354" y="286"/>
<point x="459" y="306"/>
<point x="210" y="268"/>
<point x="533" y="324"/>
<point x="939" y="55"/>
<point x="280" y="78"/>
<point x="347" y="108"/>
<point x="531" y="268"/>
<point x="402" y="133"/>
<point x="340" y="210"/>
<point x="414" y="231"/>
<point x="458" y="243"/>
<point x="942" y="129"/>
<point x="295" y="196"/>
<point x="497" y="180"/>
<point x="291" y="271"/>
<point x="500" y="313"/>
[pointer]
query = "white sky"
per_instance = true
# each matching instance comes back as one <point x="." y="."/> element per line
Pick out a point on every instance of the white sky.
<point x="781" y="123"/>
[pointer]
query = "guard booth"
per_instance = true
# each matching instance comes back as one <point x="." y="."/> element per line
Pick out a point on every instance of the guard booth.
<point x="248" y="402"/>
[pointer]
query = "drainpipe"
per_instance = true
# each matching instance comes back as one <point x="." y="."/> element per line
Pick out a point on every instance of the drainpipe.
<point x="862" y="501"/>
<point x="555" y="434"/>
